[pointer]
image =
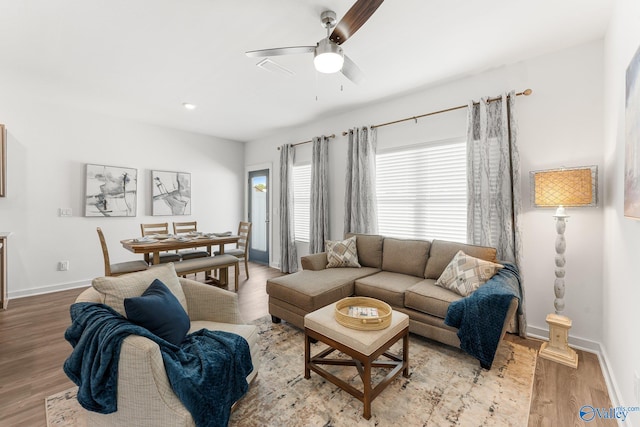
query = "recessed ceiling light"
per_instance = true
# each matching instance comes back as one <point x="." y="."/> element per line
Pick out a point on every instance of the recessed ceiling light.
<point x="189" y="106"/>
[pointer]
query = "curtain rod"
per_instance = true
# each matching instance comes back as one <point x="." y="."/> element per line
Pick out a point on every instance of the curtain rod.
<point x="525" y="92"/>
<point x="333" y="135"/>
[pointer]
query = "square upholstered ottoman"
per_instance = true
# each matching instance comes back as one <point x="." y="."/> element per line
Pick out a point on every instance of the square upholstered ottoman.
<point x="364" y="348"/>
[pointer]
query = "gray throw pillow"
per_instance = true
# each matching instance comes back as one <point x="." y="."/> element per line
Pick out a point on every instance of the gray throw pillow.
<point x="465" y="274"/>
<point x="342" y="253"/>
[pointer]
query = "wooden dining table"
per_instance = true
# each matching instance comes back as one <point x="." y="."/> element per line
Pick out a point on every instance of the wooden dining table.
<point x="152" y="248"/>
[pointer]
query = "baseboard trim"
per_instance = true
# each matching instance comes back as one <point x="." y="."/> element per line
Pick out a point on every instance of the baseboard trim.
<point x="575" y="342"/>
<point x="609" y="379"/>
<point x="48" y="289"/>
<point x="603" y="359"/>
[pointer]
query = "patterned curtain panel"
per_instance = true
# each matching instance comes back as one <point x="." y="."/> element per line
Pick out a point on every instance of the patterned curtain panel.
<point x="493" y="181"/>
<point x="319" y="227"/>
<point x="361" y="213"/>
<point x="288" y="253"/>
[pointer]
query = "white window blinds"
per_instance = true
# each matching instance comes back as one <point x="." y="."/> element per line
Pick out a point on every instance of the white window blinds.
<point x="422" y="191"/>
<point x="301" y="201"/>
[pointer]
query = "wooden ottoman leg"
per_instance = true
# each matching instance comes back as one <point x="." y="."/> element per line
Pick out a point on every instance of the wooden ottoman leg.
<point x="366" y="379"/>
<point x="405" y="355"/>
<point x="307" y="355"/>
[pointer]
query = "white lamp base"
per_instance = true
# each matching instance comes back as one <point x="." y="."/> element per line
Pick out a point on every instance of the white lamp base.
<point x="557" y="349"/>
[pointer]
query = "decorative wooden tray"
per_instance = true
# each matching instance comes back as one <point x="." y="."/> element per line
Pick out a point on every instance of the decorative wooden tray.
<point x="366" y="314"/>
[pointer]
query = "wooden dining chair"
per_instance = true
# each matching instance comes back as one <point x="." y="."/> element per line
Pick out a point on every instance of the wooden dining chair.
<point x="189" y="227"/>
<point x="241" y="251"/>
<point x="159" y="228"/>
<point x="119" y="268"/>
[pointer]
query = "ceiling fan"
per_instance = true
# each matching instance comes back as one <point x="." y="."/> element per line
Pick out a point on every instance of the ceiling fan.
<point x="328" y="56"/>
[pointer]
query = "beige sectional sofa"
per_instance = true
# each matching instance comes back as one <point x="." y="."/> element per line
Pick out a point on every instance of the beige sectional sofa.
<point x="400" y="272"/>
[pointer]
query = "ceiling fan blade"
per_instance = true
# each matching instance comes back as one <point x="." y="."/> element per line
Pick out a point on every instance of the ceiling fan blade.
<point x="355" y="18"/>
<point x="351" y="70"/>
<point x="280" y="51"/>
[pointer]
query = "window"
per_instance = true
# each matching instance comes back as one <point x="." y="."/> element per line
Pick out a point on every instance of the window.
<point x="422" y="191"/>
<point x="301" y="201"/>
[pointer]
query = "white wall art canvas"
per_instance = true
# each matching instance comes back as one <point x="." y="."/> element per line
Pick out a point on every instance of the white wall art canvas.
<point x="171" y="193"/>
<point x="632" y="140"/>
<point x="110" y="191"/>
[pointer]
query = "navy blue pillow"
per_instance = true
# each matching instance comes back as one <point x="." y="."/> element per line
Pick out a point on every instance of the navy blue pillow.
<point x="159" y="311"/>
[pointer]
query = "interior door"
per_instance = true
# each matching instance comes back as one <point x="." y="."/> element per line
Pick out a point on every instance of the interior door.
<point x="259" y="216"/>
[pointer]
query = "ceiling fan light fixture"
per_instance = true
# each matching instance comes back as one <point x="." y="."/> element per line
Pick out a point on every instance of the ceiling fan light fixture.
<point x="328" y="57"/>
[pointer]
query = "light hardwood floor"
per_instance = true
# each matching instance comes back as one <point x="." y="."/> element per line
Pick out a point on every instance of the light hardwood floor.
<point x="33" y="349"/>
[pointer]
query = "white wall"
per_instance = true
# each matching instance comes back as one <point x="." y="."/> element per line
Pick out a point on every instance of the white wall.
<point x="48" y="147"/>
<point x="560" y="125"/>
<point x="621" y="293"/>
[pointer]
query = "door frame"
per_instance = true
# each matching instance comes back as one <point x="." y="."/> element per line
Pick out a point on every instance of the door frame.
<point x="259" y="167"/>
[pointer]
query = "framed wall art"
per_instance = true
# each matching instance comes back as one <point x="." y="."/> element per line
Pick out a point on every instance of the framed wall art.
<point x="111" y="191"/>
<point x="3" y="161"/>
<point x="632" y="139"/>
<point x="171" y="193"/>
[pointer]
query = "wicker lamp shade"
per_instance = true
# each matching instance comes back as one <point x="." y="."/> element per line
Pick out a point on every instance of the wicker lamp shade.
<point x="560" y="188"/>
<point x="564" y="187"/>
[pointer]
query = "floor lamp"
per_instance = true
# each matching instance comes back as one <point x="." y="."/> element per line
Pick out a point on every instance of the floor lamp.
<point x="560" y="188"/>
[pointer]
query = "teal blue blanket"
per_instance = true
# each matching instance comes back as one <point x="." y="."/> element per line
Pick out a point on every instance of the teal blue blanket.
<point x="207" y="371"/>
<point x="480" y="316"/>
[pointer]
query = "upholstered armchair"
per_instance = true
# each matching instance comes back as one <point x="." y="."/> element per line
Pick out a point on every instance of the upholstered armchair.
<point x="145" y="396"/>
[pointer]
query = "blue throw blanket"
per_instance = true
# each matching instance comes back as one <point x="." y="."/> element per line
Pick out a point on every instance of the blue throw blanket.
<point x="207" y="371"/>
<point x="480" y="316"/>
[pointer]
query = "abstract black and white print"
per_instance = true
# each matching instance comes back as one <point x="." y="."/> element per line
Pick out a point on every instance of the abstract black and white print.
<point x="110" y="191"/>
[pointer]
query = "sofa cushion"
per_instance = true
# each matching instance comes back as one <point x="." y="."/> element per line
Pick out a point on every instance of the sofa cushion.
<point x="405" y="256"/>
<point x="442" y="252"/>
<point x="310" y="289"/>
<point x="465" y="274"/>
<point x="116" y="289"/>
<point x="342" y="253"/>
<point x="159" y="311"/>
<point x="386" y="286"/>
<point x="369" y="249"/>
<point x="428" y="298"/>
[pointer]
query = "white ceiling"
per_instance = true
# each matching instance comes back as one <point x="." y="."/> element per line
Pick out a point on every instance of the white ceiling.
<point x="141" y="59"/>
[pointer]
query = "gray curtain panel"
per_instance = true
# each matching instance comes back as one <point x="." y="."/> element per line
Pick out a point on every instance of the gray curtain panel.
<point x="288" y="253"/>
<point x="361" y="213"/>
<point x="493" y="181"/>
<point x="319" y="227"/>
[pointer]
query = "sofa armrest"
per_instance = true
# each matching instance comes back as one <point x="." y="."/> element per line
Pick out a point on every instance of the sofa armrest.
<point x="513" y="307"/>
<point x="90" y="295"/>
<point x="314" y="261"/>
<point x="206" y="302"/>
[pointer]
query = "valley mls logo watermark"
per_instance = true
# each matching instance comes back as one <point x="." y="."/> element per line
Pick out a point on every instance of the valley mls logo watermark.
<point x="589" y="413"/>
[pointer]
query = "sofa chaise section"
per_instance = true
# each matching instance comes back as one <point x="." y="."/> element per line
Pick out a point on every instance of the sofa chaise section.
<point x="294" y="295"/>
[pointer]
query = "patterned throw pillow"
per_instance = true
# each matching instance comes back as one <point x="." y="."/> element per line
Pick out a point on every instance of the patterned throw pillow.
<point x="465" y="274"/>
<point x="342" y="253"/>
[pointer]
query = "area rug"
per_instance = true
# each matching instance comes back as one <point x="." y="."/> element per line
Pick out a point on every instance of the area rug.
<point x="446" y="388"/>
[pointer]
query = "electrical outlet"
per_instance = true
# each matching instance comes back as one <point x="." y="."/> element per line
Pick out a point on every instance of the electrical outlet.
<point x="65" y="212"/>
<point x="63" y="265"/>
